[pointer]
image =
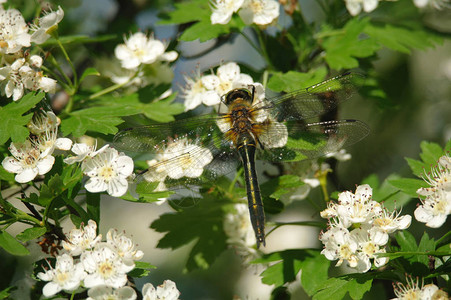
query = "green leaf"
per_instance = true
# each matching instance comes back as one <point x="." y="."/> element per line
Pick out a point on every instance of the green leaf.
<point x="401" y="39"/>
<point x="142" y="269"/>
<point x="163" y="111"/>
<point x="204" y="31"/>
<point x="292" y="80"/>
<point x="185" y="12"/>
<point x="417" y="167"/>
<point x="89" y="72"/>
<point x="431" y="152"/>
<point x="12" y="117"/>
<point x="356" y="285"/>
<point x="408" y="185"/>
<point x="406" y="241"/>
<point x="390" y="195"/>
<point x="11" y="245"/>
<point x="4" y="294"/>
<point x="96" y="119"/>
<point x="31" y="234"/>
<point x="201" y="224"/>
<point x="314" y="268"/>
<point x="345" y="45"/>
<point x="426" y="245"/>
<point x="93" y="206"/>
<point x="281" y="185"/>
<point x="5" y="175"/>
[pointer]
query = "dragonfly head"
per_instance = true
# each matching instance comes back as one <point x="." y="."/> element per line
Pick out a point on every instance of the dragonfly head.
<point x="242" y="94"/>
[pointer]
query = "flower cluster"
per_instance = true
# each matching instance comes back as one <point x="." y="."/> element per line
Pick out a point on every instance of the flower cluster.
<point x="436" y="199"/>
<point x="359" y="228"/>
<point x="107" y="168"/>
<point x="414" y="290"/>
<point x="34" y="156"/>
<point x="208" y="89"/>
<point x="178" y="158"/>
<point x="18" y="70"/>
<point x="239" y="231"/>
<point x="260" y="12"/>
<point x="143" y="61"/>
<point x="100" y="266"/>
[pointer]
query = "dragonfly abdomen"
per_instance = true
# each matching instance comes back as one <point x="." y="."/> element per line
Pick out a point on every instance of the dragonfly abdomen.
<point x="246" y="148"/>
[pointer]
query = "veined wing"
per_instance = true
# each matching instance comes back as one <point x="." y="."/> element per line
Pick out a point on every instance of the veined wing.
<point x="312" y="140"/>
<point x="315" y="100"/>
<point x="182" y="148"/>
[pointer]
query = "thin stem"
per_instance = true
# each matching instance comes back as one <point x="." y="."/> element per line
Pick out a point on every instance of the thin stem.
<point x="235" y="179"/>
<point x="74" y="71"/>
<point x="300" y="223"/>
<point x="108" y="90"/>
<point x="263" y="47"/>
<point x="252" y="43"/>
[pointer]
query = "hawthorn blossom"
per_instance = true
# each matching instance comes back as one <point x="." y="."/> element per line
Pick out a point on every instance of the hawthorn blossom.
<point x="180" y="158"/>
<point x="13" y="31"/>
<point x="223" y="10"/>
<point x="238" y="228"/>
<point x="46" y="25"/>
<point x="415" y="290"/>
<point x="123" y="246"/>
<point x="355" y="6"/>
<point x="437" y="4"/>
<point x="260" y="12"/>
<point x="359" y="228"/>
<point x="108" y="171"/>
<point x="103" y="292"/>
<point x="436" y="199"/>
<point x="209" y="89"/>
<point x="167" y="291"/>
<point x="24" y="74"/>
<point x="27" y="161"/>
<point x="105" y="267"/>
<point x="83" y="151"/>
<point x="65" y="276"/>
<point x="140" y="49"/>
<point x="79" y="240"/>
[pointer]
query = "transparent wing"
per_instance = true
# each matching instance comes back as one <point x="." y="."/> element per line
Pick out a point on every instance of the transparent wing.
<point x="314" y="140"/>
<point x="182" y="150"/>
<point x="315" y="100"/>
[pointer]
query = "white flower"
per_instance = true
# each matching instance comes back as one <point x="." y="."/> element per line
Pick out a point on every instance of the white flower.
<point x="414" y="290"/>
<point x="83" y="151"/>
<point x="180" y="158"/>
<point x="340" y="155"/>
<point x="103" y="292"/>
<point x="46" y="24"/>
<point x="140" y="49"/>
<point x="436" y="205"/>
<point x="209" y="89"/>
<point x="195" y="92"/>
<point x="359" y="229"/>
<point x="123" y="246"/>
<point x="27" y="162"/>
<point x="79" y="240"/>
<point x="260" y="12"/>
<point x="108" y="171"/>
<point x="358" y="207"/>
<point x="13" y="31"/>
<point x="387" y="223"/>
<point x="437" y="4"/>
<point x="42" y="122"/>
<point x="167" y="291"/>
<point x="355" y="6"/>
<point x="21" y="75"/>
<point x="65" y="276"/>
<point x="223" y="10"/>
<point x="340" y="244"/>
<point x="105" y="267"/>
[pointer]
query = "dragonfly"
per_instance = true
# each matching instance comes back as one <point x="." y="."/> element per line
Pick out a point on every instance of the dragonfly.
<point x="245" y="129"/>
